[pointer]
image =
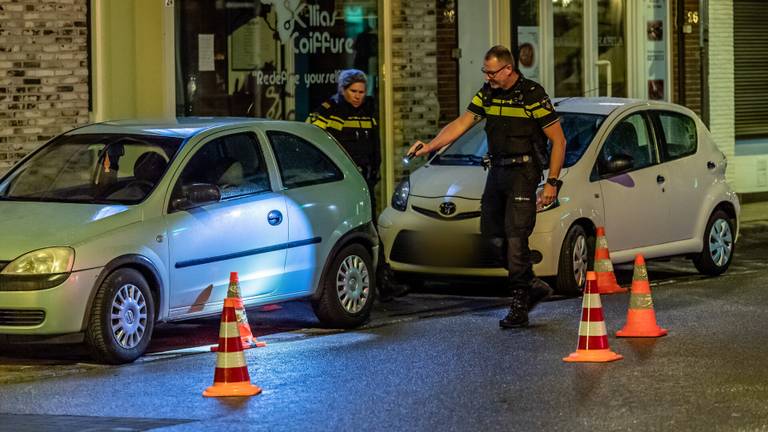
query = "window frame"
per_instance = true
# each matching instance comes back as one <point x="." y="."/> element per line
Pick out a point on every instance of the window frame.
<point x="339" y="171"/>
<point x="596" y="175"/>
<point x="264" y="161"/>
<point x="663" y="149"/>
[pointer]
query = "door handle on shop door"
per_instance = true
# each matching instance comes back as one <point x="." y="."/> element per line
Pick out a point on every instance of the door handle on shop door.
<point x="660" y="179"/>
<point x="275" y="218"/>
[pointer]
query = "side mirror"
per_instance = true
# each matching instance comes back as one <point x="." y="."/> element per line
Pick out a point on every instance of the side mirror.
<point x="618" y="163"/>
<point x="194" y="195"/>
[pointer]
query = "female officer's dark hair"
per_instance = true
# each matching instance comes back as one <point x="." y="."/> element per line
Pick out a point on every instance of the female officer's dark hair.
<point x="348" y="77"/>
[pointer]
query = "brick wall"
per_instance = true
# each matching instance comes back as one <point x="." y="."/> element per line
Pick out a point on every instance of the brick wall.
<point x="692" y="84"/>
<point x="43" y="73"/>
<point x="414" y="75"/>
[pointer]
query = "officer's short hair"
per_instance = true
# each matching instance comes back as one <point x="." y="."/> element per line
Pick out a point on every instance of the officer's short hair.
<point x="501" y="53"/>
<point x="347" y="77"/>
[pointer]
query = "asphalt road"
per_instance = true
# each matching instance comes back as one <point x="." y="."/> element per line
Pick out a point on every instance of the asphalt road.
<point x="440" y="362"/>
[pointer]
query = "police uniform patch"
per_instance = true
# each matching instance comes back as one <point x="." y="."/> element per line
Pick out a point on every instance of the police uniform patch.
<point x="547" y="104"/>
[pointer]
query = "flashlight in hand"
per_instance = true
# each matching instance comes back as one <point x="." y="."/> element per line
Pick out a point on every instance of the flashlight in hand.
<point x="412" y="154"/>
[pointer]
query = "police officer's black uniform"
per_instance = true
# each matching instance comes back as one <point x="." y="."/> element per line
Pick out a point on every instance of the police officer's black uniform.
<point x="357" y="131"/>
<point x="515" y="118"/>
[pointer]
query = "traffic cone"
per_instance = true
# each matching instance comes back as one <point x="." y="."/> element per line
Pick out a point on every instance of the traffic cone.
<point x="641" y="319"/>
<point x="233" y="292"/>
<point x="606" y="280"/>
<point x="593" y="339"/>
<point x="231" y="377"/>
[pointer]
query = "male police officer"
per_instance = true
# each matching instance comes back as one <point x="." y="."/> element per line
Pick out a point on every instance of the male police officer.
<point x="519" y="118"/>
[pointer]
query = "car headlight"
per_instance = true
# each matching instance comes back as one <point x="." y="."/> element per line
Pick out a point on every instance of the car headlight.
<point x="400" y="197"/>
<point x="55" y="260"/>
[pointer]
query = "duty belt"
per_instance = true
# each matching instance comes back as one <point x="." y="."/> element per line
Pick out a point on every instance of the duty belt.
<point x="500" y="161"/>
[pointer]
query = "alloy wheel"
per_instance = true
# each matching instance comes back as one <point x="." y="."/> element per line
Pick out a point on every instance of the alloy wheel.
<point x="353" y="284"/>
<point x="580" y="260"/>
<point x="129" y="316"/>
<point x="720" y="242"/>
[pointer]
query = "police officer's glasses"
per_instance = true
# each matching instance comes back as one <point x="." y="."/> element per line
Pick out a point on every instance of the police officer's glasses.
<point x="492" y="74"/>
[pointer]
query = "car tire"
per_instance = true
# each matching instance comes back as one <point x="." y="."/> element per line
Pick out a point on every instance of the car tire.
<point x="348" y="289"/>
<point x="122" y="318"/>
<point x="718" y="246"/>
<point x="576" y="258"/>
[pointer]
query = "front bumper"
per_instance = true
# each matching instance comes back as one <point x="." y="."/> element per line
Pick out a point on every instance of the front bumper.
<point x="404" y="253"/>
<point x="58" y="310"/>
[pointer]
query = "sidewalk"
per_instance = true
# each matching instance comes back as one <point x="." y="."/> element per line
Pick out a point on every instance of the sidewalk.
<point x="754" y="217"/>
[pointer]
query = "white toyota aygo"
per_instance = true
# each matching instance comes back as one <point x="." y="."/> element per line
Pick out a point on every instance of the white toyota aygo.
<point x="647" y="171"/>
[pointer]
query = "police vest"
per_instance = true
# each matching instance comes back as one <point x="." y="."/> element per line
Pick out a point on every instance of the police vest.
<point x="355" y="129"/>
<point x="515" y="118"/>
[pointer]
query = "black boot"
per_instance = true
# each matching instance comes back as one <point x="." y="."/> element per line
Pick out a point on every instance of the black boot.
<point x="540" y="290"/>
<point x="518" y="310"/>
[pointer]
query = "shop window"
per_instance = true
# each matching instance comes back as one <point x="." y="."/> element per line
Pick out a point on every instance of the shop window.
<point x="270" y="59"/>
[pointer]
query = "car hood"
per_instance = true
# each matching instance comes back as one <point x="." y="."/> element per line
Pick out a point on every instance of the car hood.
<point x="27" y="226"/>
<point x="432" y="181"/>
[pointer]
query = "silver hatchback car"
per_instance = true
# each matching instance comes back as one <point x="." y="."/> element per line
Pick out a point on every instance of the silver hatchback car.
<point x="112" y="227"/>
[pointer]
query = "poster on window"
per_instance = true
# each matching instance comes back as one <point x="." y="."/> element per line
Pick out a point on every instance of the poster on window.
<point x="656" y="48"/>
<point x="271" y="58"/>
<point x="528" y="51"/>
<point x="289" y="53"/>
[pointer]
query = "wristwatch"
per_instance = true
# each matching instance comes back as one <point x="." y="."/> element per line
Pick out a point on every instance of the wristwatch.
<point x="554" y="181"/>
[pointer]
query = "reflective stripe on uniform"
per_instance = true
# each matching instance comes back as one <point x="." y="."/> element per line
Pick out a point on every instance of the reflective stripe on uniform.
<point x="506" y="111"/>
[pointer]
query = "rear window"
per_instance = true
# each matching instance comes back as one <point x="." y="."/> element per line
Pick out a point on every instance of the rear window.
<point x="579" y="130"/>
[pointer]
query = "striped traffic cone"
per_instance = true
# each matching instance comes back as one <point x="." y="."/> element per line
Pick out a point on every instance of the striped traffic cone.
<point x="233" y="292"/>
<point x="641" y="319"/>
<point x="231" y="377"/>
<point x="606" y="280"/>
<point x="593" y="339"/>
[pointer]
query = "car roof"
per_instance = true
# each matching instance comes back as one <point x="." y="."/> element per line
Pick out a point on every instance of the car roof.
<point x="594" y="105"/>
<point x="181" y="127"/>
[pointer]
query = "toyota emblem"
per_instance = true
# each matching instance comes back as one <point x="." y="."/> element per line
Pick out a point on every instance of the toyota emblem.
<point x="447" y="208"/>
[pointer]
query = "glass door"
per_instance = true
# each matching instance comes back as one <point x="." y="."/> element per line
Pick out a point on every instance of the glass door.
<point x="589" y="50"/>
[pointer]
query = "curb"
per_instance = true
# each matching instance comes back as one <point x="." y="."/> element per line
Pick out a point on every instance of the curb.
<point x="753" y="227"/>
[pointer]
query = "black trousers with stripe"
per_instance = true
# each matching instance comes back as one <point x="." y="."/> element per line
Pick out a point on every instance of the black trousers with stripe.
<point x="508" y="215"/>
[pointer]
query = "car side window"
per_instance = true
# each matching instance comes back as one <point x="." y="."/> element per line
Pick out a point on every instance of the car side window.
<point x="679" y="132"/>
<point x="234" y="163"/>
<point x="300" y="162"/>
<point x="631" y="137"/>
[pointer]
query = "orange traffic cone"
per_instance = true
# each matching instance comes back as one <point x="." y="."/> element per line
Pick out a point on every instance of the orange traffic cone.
<point x="593" y="339"/>
<point x="606" y="280"/>
<point x="641" y="319"/>
<point x="242" y="318"/>
<point x="231" y="377"/>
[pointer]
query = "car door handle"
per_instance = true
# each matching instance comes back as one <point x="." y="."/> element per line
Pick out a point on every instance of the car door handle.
<point x="275" y="218"/>
<point x="711" y="165"/>
<point x="660" y="179"/>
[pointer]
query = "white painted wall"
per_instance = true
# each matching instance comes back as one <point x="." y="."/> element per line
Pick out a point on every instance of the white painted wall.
<point x="475" y="37"/>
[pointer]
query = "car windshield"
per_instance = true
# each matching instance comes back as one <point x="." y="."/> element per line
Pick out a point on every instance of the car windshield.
<point x="92" y="168"/>
<point x="579" y="130"/>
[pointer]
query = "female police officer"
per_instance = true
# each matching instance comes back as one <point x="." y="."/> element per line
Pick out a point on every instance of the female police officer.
<point x="517" y="111"/>
<point x="350" y="117"/>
